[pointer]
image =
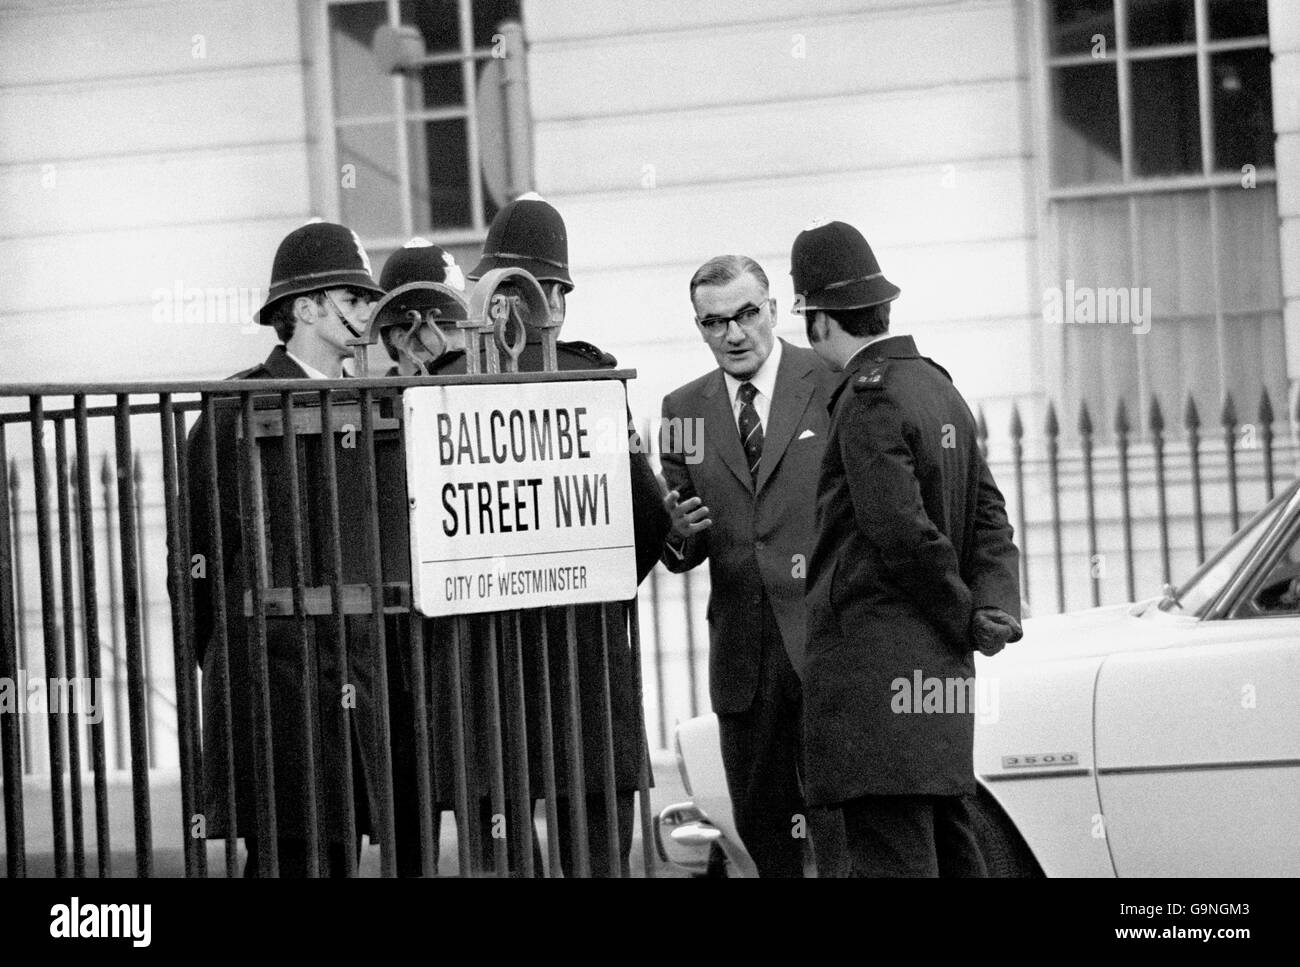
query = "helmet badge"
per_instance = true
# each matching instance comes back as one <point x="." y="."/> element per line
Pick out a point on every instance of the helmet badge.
<point x="454" y="276"/>
<point x="361" y="251"/>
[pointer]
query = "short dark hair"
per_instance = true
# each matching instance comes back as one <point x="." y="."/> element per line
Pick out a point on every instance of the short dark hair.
<point x="870" y="321"/>
<point x="280" y="316"/>
<point x="722" y="269"/>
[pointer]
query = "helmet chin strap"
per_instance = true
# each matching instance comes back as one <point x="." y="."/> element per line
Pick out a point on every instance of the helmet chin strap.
<point x="342" y="318"/>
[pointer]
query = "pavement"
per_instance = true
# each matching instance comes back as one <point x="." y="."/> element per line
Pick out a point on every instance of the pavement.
<point x="167" y="829"/>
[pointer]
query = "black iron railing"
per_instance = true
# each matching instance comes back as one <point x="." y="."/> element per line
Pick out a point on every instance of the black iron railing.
<point x="1105" y="511"/>
<point x="94" y="565"/>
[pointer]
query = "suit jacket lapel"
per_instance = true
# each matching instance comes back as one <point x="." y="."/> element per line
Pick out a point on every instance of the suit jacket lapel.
<point x="794" y="388"/>
<point x="720" y="427"/>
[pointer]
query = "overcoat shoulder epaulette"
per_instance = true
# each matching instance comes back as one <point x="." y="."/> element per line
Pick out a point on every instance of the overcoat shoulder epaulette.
<point x="871" y="378"/>
<point x="589" y="352"/>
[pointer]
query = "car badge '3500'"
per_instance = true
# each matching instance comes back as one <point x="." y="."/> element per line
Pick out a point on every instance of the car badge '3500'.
<point x="1037" y="761"/>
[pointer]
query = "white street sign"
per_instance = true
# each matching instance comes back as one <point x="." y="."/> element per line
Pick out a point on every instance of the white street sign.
<point x="520" y="496"/>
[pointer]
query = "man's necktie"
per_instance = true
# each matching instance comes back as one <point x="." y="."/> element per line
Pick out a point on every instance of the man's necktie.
<point x="751" y="428"/>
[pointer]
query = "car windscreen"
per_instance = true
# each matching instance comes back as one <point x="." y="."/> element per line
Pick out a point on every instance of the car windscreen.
<point x="1203" y="586"/>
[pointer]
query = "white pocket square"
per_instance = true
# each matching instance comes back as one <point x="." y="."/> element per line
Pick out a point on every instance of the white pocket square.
<point x="806" y="434"/>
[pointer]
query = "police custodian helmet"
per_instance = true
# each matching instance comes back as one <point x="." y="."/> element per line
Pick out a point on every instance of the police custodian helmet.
<point x="834" y="268"/>
<point x="319" y="255"/>
<point x="528" y="234"/>
<point x="419" y="260"/>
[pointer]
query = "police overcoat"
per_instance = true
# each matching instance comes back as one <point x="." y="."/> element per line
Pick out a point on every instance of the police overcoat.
<point x="340" y="701"/>
<point x="912" y="535"/>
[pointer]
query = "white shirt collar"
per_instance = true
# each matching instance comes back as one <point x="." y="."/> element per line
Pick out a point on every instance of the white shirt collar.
<point x="876" y="338"/>
<point x="764" y="380"/>
<point x="311" y="371"/>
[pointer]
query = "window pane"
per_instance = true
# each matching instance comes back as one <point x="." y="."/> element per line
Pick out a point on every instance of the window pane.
<point x="1238" y="18"/>
<point x="1250" y="262"/>
<point x="1172" y="249"/>
<point x="1152" y="22"/>
<point x="369" y="200"/>
<point x="1174" y="252"/>
<point x="1074" y="24"/>
<point x="439" y="175"/>
<point x="438" y="20"/>
<point x="1101" y="360"/>
<point x="437" y="86"/>
<point x="359" y="88"/>
<point x="1250" y="284"/>
<point x="1243" y="109"/>
<point x="1256" y="362"/>
<point x="1166" y="118"/>
<point x="1085" y="123"/>
<point x="488" y="15"/>
<point x="1176" y="259"/>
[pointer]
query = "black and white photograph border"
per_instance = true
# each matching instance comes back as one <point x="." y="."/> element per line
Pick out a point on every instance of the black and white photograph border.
<point x="955" y="530"/>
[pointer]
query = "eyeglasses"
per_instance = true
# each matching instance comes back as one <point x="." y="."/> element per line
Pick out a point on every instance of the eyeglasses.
<point x="746" y="318"/>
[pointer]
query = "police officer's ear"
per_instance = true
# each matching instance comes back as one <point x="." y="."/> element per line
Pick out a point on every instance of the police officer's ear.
<point x="816" y="325"/>
<point x="305" y="308"/>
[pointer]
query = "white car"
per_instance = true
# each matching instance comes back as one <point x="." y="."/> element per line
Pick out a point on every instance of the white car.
<point x="1160" y="738"/>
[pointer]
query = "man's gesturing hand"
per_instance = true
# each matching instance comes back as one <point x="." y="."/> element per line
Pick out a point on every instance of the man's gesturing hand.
<point x="688" y="516"/>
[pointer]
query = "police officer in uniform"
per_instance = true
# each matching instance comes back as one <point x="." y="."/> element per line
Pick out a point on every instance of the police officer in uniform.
<point x="913" y="568"/>
<point x="413" y="348"/>
<point x="529" y="234"/>
<point x="319" y="298"/>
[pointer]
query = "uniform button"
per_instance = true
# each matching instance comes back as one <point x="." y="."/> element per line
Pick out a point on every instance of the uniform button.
<point x="758" y="599"/>
<point x="758" y="545"/>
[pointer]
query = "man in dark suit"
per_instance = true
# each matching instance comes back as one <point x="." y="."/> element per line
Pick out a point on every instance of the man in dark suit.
<point x="914" y="567"/>
<point x="321" y="289"/>
<point x="742" y="499"/>
<point x="530" y="234"/>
